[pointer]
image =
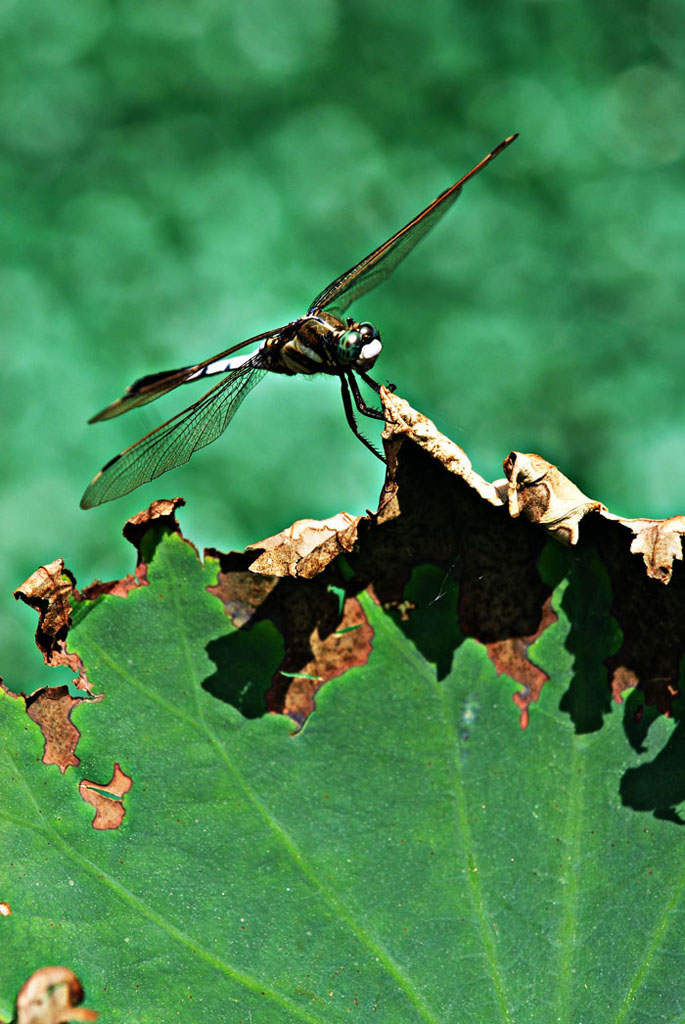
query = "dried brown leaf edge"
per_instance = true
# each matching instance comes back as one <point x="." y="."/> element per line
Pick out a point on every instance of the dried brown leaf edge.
<point x="433" y="509"/>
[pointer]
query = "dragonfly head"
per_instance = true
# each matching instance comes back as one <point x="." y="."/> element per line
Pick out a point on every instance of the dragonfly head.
<point x="359" y="346"/>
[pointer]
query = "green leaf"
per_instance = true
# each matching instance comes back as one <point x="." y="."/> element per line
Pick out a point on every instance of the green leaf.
<point x="447" y="825"/>
<point x="411" y="852"/>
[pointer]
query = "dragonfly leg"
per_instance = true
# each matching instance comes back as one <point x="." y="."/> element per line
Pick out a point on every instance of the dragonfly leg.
<point x="349" y="412"/>
<point x="372" y="383"/>
<point x="365" y="410"/>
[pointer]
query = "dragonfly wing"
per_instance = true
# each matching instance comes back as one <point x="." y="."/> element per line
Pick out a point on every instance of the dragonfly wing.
<point x="379" y="265"/>
<point x="174" y="442"/>
<point x="153" y="385"/>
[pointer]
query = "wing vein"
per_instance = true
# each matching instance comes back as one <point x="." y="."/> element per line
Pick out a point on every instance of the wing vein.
<point x="173" y="443"/>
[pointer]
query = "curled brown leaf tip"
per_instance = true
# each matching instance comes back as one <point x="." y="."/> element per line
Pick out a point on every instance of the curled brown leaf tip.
<point x="403" y="422"/>
<point x="162" y="511"/>
<point x="48" y="590"/>
<point x="539" y="492"/>
<point x="659" y="542"/>
<point x="52" y="996"/>
<point x="305" y="548"/>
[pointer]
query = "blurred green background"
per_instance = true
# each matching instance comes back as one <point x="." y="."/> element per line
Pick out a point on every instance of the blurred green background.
<point x="177" y="176"/>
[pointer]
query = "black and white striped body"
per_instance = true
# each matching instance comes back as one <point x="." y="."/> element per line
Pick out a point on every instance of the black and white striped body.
<point x="319" y="343"/>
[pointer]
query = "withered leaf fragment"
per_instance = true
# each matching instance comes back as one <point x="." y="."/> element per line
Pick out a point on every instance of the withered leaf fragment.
<point x="660" y="542"/>
<point x="52" y="996"/>
<point x="541" y="493"/>
<point x="306" y="547"/>
<point x="109" y="810"/>
<point x="49" y="591"/>
<point x="51" y="709"/>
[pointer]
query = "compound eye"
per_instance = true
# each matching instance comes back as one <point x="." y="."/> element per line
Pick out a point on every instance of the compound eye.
<point x="352" y="339"/>
<point x="368" y="332"/>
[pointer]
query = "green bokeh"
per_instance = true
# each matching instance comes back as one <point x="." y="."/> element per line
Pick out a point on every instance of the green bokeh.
<point x="180" y="175"/>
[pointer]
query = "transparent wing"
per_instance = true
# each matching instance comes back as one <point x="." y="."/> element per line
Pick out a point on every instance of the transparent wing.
<point x="379" y="265"/>
<point x="153" y="385"/>
<point x="174" y="442"/>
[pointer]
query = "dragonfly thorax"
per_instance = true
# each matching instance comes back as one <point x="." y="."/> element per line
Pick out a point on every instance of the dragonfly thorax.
<point x="321" y="343"/>
<point x="359" y="346"/>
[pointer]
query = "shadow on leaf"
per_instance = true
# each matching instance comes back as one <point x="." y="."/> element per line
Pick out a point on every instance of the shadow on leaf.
<point x="592" y="638"/>
<point x="658" y="786"/>
<point x="245" y="665"/>
<point x="429" y="617"/>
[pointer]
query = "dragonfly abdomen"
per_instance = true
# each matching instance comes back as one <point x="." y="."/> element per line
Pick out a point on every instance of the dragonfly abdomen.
<point x="221" y="366"/>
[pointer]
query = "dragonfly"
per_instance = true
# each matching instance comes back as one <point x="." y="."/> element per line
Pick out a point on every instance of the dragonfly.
<point x="322" y="341"/>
